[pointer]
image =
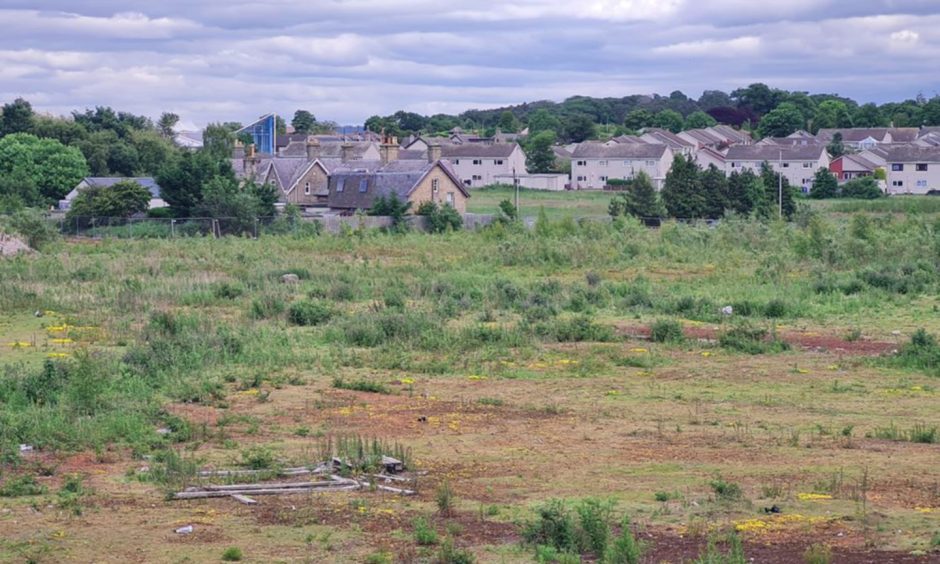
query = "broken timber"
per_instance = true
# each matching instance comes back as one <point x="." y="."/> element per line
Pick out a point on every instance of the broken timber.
<point x="240" y="492"/>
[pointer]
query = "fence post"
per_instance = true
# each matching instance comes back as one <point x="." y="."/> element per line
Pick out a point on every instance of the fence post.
<point x="256" y="228"/>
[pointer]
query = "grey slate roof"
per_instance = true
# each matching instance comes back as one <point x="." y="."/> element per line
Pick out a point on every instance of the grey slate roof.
<point x="592" y="150"/>
<point x="913" y="154"/>
<point x="104" y="181"/>
<point x="362" y="186"/>
<point x="774" y="153"/>
<point x="856" y="134"/>
<point x="668" y="138"/>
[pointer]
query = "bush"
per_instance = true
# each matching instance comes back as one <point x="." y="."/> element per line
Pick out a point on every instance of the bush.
<point x="921" y="353"/>
<point x="440" y="218"/>
<point x="577" y="329"/>
<point x="425" y="535"/>
<point x="553" y="527"/>
<point x="817" y="554"/>
<point x="775" y="309"/>
<point x="444" y="496"/>
<point x="232" y="554"/>
<point x="593" y="525"/>
<point x="666" y="331"/>
<point x="32" y="226"/>
<point x="258" y="458"/>
<point x="450" y="554"/>
<point x="625" y="549"/>
<point x="865" y="188"/>
<point x="360" y="386"/>
<point x="726" y="491"/>
<point x="267" y="307"/>
<point x="751" y="340"/>
<point x="308" y="313"/>
<point x="21" y="486"/>
<point x="228" y="290"/>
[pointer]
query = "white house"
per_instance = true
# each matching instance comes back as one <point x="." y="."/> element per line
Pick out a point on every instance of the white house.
<point x="913" y="170"/>
<point x="593" y="164"/>
<point x="798" y="164"/>
<point x="670" y="139"/>
<point x="478" y="165"/>
<point x="104" y="181"/>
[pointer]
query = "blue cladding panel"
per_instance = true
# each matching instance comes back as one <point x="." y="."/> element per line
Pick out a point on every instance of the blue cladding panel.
<point x="264" y="132"/>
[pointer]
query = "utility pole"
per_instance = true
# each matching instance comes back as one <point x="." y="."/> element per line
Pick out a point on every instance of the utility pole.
<point x="780" y="186"/>
<point x="515" y="184"/>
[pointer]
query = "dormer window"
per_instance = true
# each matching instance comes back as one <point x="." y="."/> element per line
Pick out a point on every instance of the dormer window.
<point x="307" y="189"/>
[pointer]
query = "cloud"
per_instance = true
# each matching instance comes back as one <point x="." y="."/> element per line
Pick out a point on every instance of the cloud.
<point x="347" y="59"/>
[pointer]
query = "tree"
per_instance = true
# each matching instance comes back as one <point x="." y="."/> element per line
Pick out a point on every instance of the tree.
<point x="280" y="126"/>
<point x="869" y="115"/>
<point x="540" y="157"/>
<point x="640" y="200"/>
<point x="166" y="123"/>
<point x="682" y="191"/>
<point x="931" y="112"/>
<point x="746" y="192"/>
<point x="579" y="128"/>
<point x="152" y="150"/>
<point x="45" y="165"/>
<point x="409" y="122"/>
<point x="543" y="120"/>
<point x="831" y="114"/>
<point x="123" y="159"/>
<point x="638" y="119"/>
<point x="780" y="122"/>
<point x="218" y="140"/>
<point x="393" y="207"/>
<point x="758" y="97"/>
<point x="223" y="197"/>
<point x="64" y="131"/>
<point x="865" y="188"/>
<point x="825" y="185"/>
<point x="835" y="147"/>
<point x="699" y="120"/>
<point x="714" y="192"/>
<point x="772" y="189"/>
<point x="17" y="117"/>
<point x="508" y="122"/>
<point x="303" y="122"/>
<point x="714" y="99"/>
<point x="670" y="120"/>
<point x="182" y="179"/>
<point x="121" y="199"/>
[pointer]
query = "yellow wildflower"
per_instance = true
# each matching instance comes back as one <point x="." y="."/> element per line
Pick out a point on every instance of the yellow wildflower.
<point x="20" y="344"/>
<point x="812" y="496"/>
<point x="638" y="350"/>
<point x="61" y="341"/>
<point x="407" y="380"/>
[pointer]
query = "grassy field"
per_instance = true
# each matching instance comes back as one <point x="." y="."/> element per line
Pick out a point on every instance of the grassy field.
<point x="586" y="363"/>
<point x="557" y="205"/>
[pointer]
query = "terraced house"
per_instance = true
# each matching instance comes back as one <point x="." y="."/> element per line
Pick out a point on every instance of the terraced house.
<point x="478" y="165"/>
<point x="797" y="163"/>
<point x="593" y="164"/>
<point x="913" y="170"/>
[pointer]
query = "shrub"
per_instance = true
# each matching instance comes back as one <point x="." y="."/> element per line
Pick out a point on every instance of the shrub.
<point x="228" y="290"/>
<point x="625" y="549"/>
<point x="21" y="486"/>
<point x="34" y="227"/>
<point x="360" y="386"/>
<point x="450" y="554"/>
<point x="440" y="218"/>
<point x="307" y="313"/>
<point x="751" y="340"/>
<point x="258" y="458"/>
<point x="577" y="329"/>
<point x="775" y="309"/>
<point x="921" y="353"/>
<point x="666" y="331"/>
<point x="553" y="527"/>
<point x="817" y="554"/>
<point x="232" y="554"/>
<point x="712" y="555"/>
<point x="266" y="307"/>
<point x="425" y="535"/>
<point x="444" y="496"/>
<point x="593" y="525"/>
<point x="727" y="491"/>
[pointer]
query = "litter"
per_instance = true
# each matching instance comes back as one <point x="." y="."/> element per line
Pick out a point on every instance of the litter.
<point x="187" y="530"/>
<point x="26" y="448"/>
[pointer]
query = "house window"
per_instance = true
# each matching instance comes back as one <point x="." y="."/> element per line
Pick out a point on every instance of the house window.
<point x="363" y="185"/>
<point x="456" y="161"/>
<point x="498" y="162"/>
<point x="435" y="185"/>
<point x="627" y="163"/>
<point x="602" y="163"/>
<point x="477" y="177"/>
<point x="734" y="164"/>
<point x="603" y="179"/>
<point x="582" y="178"/>
<point x="307" y="188"/>
<point x="582" y="163"/>
<point x="340" y="184"/>
<point x="897" y="183"/>
<point x="897" y="167"/>
<point x="921" y="167"/>
<point x="807" y="165"/>
<point x="785" y="165"/>
<point x="477" y="161"/>
<point x="450" y="199"/>
<point x="650" y="163"/>
<point x="846" y="176"/>
<point x="466" y="183"/>
<point x="921" y="183"/>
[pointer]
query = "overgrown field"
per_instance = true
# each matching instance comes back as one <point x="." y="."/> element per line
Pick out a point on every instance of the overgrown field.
<point x="594" y="390"/>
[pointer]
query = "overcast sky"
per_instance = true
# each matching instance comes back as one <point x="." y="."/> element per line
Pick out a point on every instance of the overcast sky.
<point x="213" y="60"/>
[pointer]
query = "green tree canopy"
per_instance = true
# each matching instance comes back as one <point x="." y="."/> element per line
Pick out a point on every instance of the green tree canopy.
<point x="836" y="147"/>
<point x="714" y="192"/>
<point x="543" y="120"/>
<point x="540" y="157"/>
<point x="670" y="120"/>
<point x="638" y="119"/>
<point x="776" y="186"/>
<point x="17" y="117"/>
<point x="122" y="199"/>
<point x="699" y="120"/>
<point x="303" y="122"/>
<point x="166" y="123"/>
<point x="825" y="185"/>
<point x="746" y="193"/>
<point x="578" y="128"/>
<point x="639" y="200"/>
<point x="182" y="179"/>
<point x="508" y="122"/>
<point x="782" y="121"/>
<point x="682" y="192"/>
<point x="46" y="166"/>
<point x="830" y="114"/>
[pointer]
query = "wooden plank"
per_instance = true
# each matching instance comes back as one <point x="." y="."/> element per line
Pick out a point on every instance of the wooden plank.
<point x="271" y="486"/>
<point x="279" y="491"/>
<point x="244" y="499"/>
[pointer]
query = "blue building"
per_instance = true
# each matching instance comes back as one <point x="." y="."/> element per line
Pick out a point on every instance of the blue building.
<point x="264" y="133"/>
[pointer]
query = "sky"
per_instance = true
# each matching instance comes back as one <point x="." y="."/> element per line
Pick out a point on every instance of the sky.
<point x="344" y="60"/>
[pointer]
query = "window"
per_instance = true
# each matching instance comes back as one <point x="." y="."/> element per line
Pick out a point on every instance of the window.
<point x="450" y="199"/>
<point x="363" y="185"/>
<point x="307" y="188"/>
<point x="897" y="167"/>
<point x="603" y="179"/>
<point x="466" y="183"/>
<point x="897" y="183"/>
<point x="456" y="161"/>
<point x="921" y="183"/>
<point x="477" y="177"/>
<point x="435" y="185"/>
<point x="498" y="162"/>
<point x="651" y="163"/>
<point x="734" y="164"/>
<point x="846" y="176"/>
<point x="582" y="163"/>
<point x="602" y="163"/>
<point x="340" y="184"/>
<point x="477" y="161"/>
<point x="807" y="165"/>
<point x="785" y="165"/>
<point x="921" y="167"/>
<point x="582" y="178"/>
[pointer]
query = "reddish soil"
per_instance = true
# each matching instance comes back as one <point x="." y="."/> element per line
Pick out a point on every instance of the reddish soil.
<point x="822" y="343"/>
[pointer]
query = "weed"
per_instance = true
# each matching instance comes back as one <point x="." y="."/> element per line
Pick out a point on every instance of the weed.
<point x="494" y="402"/>
<point x="666" y="331"/>
<point x="232" y="554"/>
<point x="425" y="535"/>
<point x="308" y="313"/>
<point x="712" y="554"/>
<point x="267" y="307"/>
<point x="751" y="340"/>
<point x="554" y="527"/>
<point x="817" y="554"/>
<point x="725" y="491"/>
<point x="593" y="525"/>
<point x="361" y="386"/>
<point x="21" y="486"/>
<point x="444" y="497"/>
<point x="381" y="557"/>
<point x="625" y="549"/>
<point x="258" y="458"/>
<point x="449" y="553"/>
<point x="666" y="496"/>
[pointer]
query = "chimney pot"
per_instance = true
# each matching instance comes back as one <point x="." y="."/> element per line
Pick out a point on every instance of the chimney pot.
<point x="313" y="148"/>
<point x="434" y="153"/>
<point x="346" y="152"/>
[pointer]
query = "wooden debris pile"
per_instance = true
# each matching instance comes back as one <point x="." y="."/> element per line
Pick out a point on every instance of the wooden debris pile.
<point x="328" y="480"/>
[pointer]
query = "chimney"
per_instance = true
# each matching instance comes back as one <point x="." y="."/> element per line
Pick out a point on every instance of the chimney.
<point x="313" y="149"/>
<point x="250" y="161"/>
<point x="389" y="150"/>
<point x="346" y="152"/>
<point x="434" y="153"/>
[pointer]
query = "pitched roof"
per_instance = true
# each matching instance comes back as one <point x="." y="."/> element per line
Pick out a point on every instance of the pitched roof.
<point x="774" y="152"/>
<point x="858" y="162"/>
<point x="704" y="136"/>
<point x="666" y="137"/>
<point x="913" y="154"/>
<point x="880" y="134"/>
<point x="594" y="150"/>
<point x="731" y="134"/>
<point x="361" y="186"/>
<point x="472" y="150"/>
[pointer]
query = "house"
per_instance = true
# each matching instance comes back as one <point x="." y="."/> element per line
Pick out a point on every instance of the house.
<point x="532" y="181"/>
<point x="789" y="141"/>
<point x="849" y="167"/>
<point x="707" y="156"/>
<point x="862" y="138"/>
<point x="411" y="181"/>
<point x="479" y="165"/>
<point x="798" y="164"/>
<point x="731" y="135"/>
<point x="188" y="139"/>
<point x="593" y="164"/>
<point x="421" y="143"/>
<point x="670" y="139"/>
<point x="105" y="181"/>
<point x="912" y="170"/>
<point x="703" y="138"/>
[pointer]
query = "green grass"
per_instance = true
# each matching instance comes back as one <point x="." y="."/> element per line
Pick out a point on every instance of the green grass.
<point x="558" y="205"/>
